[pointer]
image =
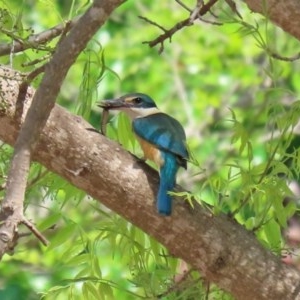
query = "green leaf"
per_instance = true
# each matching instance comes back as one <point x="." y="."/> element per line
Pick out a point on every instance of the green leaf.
<point x="50" y="221"/>
<point x="107" y="291"/>
<point x="279" y="168"/>
<point x="79" y="259"/>
<point x="92" y="290"/>
<point x="64" y="235"/>
<point x="85" y="291"/>
<point x="273" y="234"/>
<point x="125" y="135"/>
<point x="96" y="267"/>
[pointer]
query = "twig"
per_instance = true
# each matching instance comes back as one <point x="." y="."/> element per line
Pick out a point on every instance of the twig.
<point x="23" y="91"/>
<point x="207" y="290"/>
<point x="195" y="14"/>
<point x="178" y="284"/>
<point x="199" y="10"/>
<point x="284" y="58"/>
<point x="36" y="39"/>
<point x="35" y="231"/>
<point x="67" y="27"/>
<point x="261" y="178"/>
<point x="168" y="34"/>
<point x="153" y="23"/>
<point x="210" y="22"/>
<point x="40" y="175"/>
<point x="38" y="60"/>
<point x="183" y="5"/>
<point x="203" y="9"/>
<point x="199" y="17"/>
<point x="232" y="5"/>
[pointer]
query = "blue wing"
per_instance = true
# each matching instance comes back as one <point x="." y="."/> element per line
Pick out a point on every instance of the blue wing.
<point x="164" y="132"/>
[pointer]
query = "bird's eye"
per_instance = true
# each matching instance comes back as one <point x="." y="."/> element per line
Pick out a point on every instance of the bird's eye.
<point x="137" y="100"/>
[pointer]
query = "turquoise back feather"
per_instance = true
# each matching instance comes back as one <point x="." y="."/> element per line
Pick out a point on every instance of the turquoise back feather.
<point x="167" y="134"/>
<point x="164" y="132"/>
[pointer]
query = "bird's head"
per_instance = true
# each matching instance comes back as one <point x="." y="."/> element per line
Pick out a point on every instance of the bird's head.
<point x="135" y="105"/>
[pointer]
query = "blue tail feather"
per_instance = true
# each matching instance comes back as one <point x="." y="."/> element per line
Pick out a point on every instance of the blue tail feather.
<point x="167" y="183"/>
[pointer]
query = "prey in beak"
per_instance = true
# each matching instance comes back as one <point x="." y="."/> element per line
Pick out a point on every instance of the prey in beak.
<point x="111" y="104"/>
<point x="135" y="105"/>
<point x="118" y="103"/>
<point x="107" y="105"/>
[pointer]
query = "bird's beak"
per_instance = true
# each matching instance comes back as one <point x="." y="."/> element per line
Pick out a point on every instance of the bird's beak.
<point x="113" y="103"/>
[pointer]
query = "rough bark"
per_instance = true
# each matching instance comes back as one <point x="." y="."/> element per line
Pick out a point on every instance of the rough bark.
<point x="43" y="101"/>
<point x="224" y="251"/>
<point x="285" y="14"/>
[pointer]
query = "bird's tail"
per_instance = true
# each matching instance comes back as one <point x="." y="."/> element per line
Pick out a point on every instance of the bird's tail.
<point x="167" y="182"/>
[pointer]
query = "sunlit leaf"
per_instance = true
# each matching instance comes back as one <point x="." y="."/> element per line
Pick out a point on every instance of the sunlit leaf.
<point x="63" y="236"/>
<point x="273" y="234"/>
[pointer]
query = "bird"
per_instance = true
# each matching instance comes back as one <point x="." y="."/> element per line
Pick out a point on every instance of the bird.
<point x="161" y="137"/>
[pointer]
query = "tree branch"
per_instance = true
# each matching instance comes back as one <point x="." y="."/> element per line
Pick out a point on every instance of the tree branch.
<point x="223" y="250"/>
<point x="37" y="39"/>
<point x="42" y="103"/>
<point x="200" y="10"/>
<point x="35" y="231"/>
<point x="285" y="14"/>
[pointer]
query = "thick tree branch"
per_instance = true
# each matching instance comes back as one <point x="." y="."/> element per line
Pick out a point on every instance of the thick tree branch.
<point x="285" y="14"/>
<point x="223" y="250"/>
<point x="43" y="101"/>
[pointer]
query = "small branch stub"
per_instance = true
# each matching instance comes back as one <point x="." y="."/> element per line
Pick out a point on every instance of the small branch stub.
<point x="35" y="231"/>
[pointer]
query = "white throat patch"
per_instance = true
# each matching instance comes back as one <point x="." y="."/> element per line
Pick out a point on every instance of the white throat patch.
<point x="134" y="112"/>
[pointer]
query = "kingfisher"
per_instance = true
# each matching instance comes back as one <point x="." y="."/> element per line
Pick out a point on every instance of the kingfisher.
<point x="162" y="139"/>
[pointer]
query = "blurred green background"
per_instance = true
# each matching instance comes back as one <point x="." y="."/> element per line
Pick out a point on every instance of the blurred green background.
<point x="237" y="105"/>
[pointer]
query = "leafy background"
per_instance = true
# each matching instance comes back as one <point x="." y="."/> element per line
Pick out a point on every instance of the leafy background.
<point x="238" y="106"/>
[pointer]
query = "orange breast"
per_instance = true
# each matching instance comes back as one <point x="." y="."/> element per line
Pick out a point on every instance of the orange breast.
<point x="151" y="152"/>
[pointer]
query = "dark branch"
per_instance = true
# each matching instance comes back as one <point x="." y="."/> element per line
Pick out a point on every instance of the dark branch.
<point x="153" y="23"/>
<point x="194" y="14"/>
<point x="168" y="34"/>
<point x="284" y="58"/>
<point x="35" y="231"/>
<point x="232" y="5"/>
<point x="23" y="91"/>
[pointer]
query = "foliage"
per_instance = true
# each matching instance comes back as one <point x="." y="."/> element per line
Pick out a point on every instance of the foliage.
<point x="239" y="108"/>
